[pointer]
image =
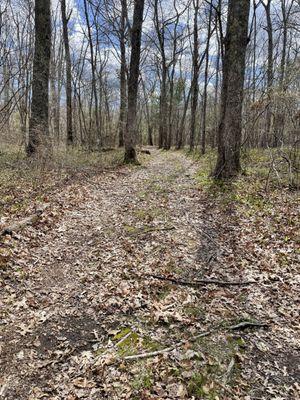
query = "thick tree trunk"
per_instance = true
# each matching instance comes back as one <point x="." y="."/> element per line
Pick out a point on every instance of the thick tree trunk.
<point x="133" y="82"/>
<point x="65" y="20"/>
<point x="38" y="124"/>
<point x="230" y="129"/>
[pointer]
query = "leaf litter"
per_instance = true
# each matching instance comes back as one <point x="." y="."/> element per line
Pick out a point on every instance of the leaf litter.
<point x="79" y="307"/>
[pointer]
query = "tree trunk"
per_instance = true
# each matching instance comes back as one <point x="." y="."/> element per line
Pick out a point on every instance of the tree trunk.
<point x="195" y="84"/>
<point x="180" y="142"/>
<point x="148" y="116"/>
<point x="279" y="118"/>
<point x="163" y="109"/>
<point x="203" y="135"/>
<point x="163" y="106"/>
<point x="38" y="124"/>
<point x="270" y="75"/>
<point x="94" y="82"/>
<point x="230" y="129"/>
<point x="216" y="94"/>
<point x="133" y="82"/>
<point x="123" y="91"/>
<point x="65" y="20"/>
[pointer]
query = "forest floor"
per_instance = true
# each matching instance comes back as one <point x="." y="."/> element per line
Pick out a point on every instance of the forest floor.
<point x="109" y="295"/>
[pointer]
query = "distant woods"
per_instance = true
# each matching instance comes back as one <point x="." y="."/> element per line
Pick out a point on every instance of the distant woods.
<point x="199" y="74"/>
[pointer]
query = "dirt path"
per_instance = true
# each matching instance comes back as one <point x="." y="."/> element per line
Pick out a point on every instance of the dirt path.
<point x="83" y="300"/>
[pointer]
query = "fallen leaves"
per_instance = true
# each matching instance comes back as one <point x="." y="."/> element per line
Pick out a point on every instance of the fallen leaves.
<point x="77" y="299"/>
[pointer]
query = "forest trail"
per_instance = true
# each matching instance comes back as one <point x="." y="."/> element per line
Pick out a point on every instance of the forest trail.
<point x="81" y="298"/>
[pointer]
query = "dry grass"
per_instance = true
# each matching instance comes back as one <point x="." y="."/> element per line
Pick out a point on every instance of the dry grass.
<point x="26" y="181"/>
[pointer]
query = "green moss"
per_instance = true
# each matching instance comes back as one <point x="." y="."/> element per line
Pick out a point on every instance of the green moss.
<point x="129" y="345"/>
<point x="144" y="380"/>
<point x="193" y="311"/>
<point x="121" y="334"/>
<point x="130" y="229"/>
<point x="148" y="214"/>
<point x="199" y="386"/>
<point x="133" y="343"/>
<point x="164" y="291"/>
<point x="150" y="344"/>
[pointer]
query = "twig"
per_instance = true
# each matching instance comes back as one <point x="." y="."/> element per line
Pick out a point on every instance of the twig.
<point x="228" y="372"/>
<point x="222" y="248"/>
<point x="167" y="349"/>
<point x="201" y="282"/>
<point x="247" y="324"/>
<point x="18" y="225"/>
<point x="148" y="355"/>
<point x="224" y="387"/>
<point x="242" y="325"/>
<point x="123" y="339"/>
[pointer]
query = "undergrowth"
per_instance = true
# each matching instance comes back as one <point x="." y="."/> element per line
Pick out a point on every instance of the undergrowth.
<point x="256" y="188"/>
<point x="26" y="181"/>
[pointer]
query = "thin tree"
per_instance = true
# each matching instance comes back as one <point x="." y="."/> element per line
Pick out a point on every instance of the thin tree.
<point x="270" y="72"/>
<point x="133" y="82"/>
<point x="230" y="128"/>
<point x="94" y="72"/>
<point x="123" y="90"/>
<point x="38" y="124"/>
<point x="204" y="107"/>
<point x="160" y="27"/>
<point x="195" y="78"/>
<point x="65" y="21"/>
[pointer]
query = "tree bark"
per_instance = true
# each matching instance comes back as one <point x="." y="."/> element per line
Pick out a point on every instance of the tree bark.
<point x="94" y="82"/>
<point x="204" y="110"/>
<point x="230" y="128"/>
<point x="163" y="104"/>
<point x="195" y="84"/>
<point x="38" y="124"/>
<point x="65" y="20"/>
<point x="123" y="91"/>
<point x="270" y="74"/>
<point x="133" y="82"/>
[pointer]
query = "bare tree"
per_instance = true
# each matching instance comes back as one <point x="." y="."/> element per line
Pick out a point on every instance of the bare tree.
<point x="39" y="125"/>
<point x="230" y="129"/>
<point x="204" y="107"/>
<point x="270" y="72"/>
<point x="133" y="82"/>
<point x="65" y="20"/>
<point x="195" y="78"/>
<point x="123" y="89"/>
<point x="94" y="78"/>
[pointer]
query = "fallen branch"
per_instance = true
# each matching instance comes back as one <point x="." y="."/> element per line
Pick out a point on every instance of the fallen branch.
<point x="167" y="349"/>
<point x="242" y="325"/>
<point x="247" y="324"/>
<point x="18" y="225"/>
<point x="228" y="372"/>
<point x="201" y="282"/>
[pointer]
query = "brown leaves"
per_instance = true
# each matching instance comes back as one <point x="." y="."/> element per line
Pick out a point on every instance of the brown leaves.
<point x="76" y="299"/>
